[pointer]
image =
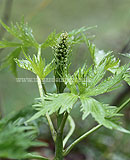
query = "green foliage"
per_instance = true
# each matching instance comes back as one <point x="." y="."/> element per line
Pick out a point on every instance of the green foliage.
<point x="87" y="82"/>
<point x="107" y="84"/>
<point x="127" y="75"/>
<point x="10" y="143"/>
<point x="51" y="40"/>
<point x="101" y="112"/>
<point x="75" y="36"/>
<point x="22" y="32"/>
<point x="53" y="103"/>
<point x="35" y="65"/>
<point x="126" y="55"/>
<point x="90" y="80"/>
<point x="9" y="61"/>
<point x="127" y="78"/>
<point x="99" y="57"/>
<point x="16" y="138"/>
<point x="84" y="85"/>
<point x="5" y="44"/>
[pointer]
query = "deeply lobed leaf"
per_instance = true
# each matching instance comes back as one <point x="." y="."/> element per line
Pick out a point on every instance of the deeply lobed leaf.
<point x="35" y="65"/>
<point x="107" y="84"/>
<point x="21" y="31"/>
<point x="100" y="112"/>
<point x="53" y="103"/>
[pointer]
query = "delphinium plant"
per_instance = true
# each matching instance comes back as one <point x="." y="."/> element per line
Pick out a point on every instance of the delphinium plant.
<point x="83" y="85"/>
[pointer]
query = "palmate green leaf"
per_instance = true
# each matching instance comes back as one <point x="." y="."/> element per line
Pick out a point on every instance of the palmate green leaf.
<point x="100" y="112"/>
<point x="99" y="56"/>
<point x="84" y="78"/>
<point x="90" y="105"/>
<point x="53" y="103"/>
<point x="9" y="61"/>
<point x="35" y="65"/>
<point x="96" y="74"/>
<point x="89" y="78"/>
<point x="22" y="32"/>
<point x="107" y="84"/>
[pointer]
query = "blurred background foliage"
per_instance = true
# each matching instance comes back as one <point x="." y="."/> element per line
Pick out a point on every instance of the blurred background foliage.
<point x="113" y="33"/>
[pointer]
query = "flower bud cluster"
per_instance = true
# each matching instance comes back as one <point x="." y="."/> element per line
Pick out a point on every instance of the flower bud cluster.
<point x="62" y="50"/>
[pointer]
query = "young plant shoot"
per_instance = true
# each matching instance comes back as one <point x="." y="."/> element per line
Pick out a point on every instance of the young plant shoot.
<point x="83" y="85"/>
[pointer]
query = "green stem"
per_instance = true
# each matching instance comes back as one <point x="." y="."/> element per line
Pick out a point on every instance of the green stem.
<point x="61" y="119"/>
<point x="39" y="52"/>
<point x="123" y="105"/>
<point x="53" y="132"/>
<point x="72" y="128"/>
<point x="59" y="147"/>
<point x="62" y="125"/>
<point x="40" y="86"/>
<point x="59" y="139"/>
<point x="32" y="156"/>
<point x="69" y="148"/>
<point x="43" y="86"/>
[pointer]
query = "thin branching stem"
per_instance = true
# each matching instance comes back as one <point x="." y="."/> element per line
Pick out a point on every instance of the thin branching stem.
<point x="40" y="86"/>
<point x="123" y="105"/>
<point x="63" y="122"/>
<point x="72" y="128"/>
<point x="31" y="156"/>
<point x="69" y="148"/>
<point x="44" y="88"/>
<point x="39" y="52"/>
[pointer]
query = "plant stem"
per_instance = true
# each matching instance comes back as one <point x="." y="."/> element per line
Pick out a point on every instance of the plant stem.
<point x="69" y="148"/>
<point x="72" y="128"/>
<point x="32" y="156"/>
<point x="59" y="139"/>
<point x="39" y="52"/>
<point x="40" y="86"/>
<point x="43" y="86"/>
<point x="61" y="119"/>
<point x="62" y="125"/>
<point x="53" y="132"/>
<point x="123" y="105"/>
